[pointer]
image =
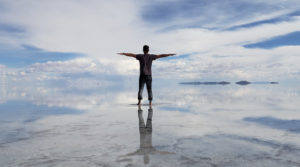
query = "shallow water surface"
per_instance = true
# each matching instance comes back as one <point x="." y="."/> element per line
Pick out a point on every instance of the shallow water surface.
<point x="188" y="125"/>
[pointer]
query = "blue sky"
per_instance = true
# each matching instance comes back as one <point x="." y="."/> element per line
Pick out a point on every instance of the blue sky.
<point x="204" y="12"/>
<point x="213" y="39"/>
<point x="10" y="29"/>
<point x="28" y="55"/>
<point x="283" y="40"/>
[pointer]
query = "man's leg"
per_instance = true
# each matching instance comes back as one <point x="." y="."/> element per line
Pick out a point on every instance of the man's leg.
<point x="141" y="88"/>
<point x="149" y="88"/>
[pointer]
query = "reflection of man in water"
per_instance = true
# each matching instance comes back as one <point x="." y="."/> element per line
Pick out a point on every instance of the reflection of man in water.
<point x="146" y="147"/>
<point x="145" y="134"/>
<point x="145" y="71"/>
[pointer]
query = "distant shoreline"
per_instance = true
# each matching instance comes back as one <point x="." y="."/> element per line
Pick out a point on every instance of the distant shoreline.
<point x="226" y="83"/>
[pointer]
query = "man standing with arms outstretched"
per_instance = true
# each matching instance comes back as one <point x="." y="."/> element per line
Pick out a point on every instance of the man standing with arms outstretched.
<point x="145" y="71"/>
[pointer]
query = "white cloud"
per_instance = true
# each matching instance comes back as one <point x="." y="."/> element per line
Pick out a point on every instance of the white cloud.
<point x="100" y="29"/>
<point x="79" y="65"/>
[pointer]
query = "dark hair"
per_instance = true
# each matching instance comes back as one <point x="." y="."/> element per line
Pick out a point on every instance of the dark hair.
<point x="146" y="48"/>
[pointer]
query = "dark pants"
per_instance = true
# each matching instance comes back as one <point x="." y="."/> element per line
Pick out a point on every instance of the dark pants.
<point x="148" y="80"/>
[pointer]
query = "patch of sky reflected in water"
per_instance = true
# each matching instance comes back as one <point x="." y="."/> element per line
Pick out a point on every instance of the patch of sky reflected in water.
<point x="47" y="123"/>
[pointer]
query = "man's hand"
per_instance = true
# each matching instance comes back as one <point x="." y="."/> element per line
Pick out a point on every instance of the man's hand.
<point x="128" y="54"/>
<point x="164" y="55"/>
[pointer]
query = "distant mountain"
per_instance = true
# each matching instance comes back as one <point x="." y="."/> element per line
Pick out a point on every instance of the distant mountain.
<point x="225" y="83"/>
<point x="247" y="83"/>
<point x="243" y="82"/>
<point x="206" y="83"/>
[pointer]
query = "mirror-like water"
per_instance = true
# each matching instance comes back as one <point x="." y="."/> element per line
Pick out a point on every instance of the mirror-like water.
<point x="188" y="125"/>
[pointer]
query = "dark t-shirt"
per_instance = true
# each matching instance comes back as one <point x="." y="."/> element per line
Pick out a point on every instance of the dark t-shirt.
<point x="145" y="63"/>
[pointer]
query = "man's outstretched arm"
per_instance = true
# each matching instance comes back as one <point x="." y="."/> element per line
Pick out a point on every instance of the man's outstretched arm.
<point x="128" y="54"/>
<point x="164" y="55"/>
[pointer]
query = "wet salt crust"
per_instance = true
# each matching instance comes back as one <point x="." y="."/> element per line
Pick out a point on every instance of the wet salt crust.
<point x="253" y="125"/>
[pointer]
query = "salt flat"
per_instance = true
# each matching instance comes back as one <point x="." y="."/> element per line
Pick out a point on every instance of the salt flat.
<point x="188" y="125"/>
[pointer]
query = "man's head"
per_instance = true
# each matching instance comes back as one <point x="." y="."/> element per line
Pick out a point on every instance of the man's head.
<point x="146" y="49"/>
